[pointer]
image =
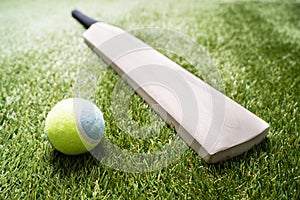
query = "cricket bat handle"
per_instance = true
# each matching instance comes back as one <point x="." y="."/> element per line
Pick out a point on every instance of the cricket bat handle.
<point x="83" y="19"/>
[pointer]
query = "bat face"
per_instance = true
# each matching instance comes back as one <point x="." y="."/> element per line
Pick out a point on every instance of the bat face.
<point x="216" y="127"/>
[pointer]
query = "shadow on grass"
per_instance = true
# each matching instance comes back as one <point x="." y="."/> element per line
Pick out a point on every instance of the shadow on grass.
<point x="66" y="165"/>
<point x="258" y="153"/>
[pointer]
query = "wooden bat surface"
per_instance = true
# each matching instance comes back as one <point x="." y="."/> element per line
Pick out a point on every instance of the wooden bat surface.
<point x="216" y="127"/>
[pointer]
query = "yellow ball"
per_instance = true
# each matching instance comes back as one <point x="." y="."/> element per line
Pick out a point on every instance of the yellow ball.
<point x="74" y="126"/>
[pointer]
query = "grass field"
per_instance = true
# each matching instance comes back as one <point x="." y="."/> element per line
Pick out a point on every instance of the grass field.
<point x="255" y="45"/>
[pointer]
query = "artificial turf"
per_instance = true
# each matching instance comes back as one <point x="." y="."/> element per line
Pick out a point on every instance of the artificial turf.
<point x="255" y="46"/>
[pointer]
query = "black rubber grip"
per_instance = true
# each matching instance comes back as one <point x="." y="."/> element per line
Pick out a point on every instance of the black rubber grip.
<point x="83" y="19"/>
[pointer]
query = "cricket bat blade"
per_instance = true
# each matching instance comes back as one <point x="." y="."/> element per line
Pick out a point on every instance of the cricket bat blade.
<point x="215" y="126"/>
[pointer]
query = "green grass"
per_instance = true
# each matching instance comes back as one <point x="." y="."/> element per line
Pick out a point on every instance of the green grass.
<point x="255" y="45"/>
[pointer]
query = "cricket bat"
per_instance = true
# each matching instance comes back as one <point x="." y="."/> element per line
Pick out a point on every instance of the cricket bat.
<point x="212" y="124"/>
